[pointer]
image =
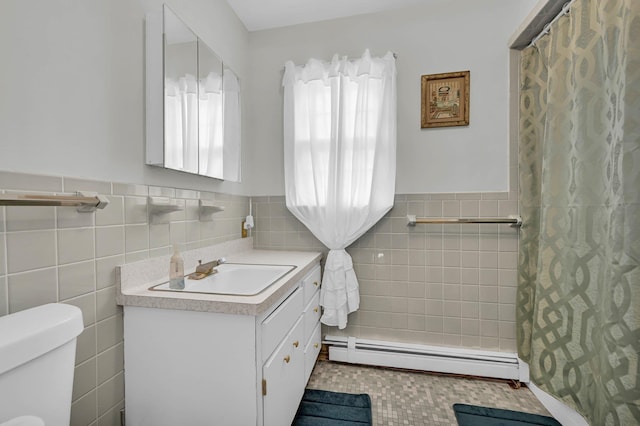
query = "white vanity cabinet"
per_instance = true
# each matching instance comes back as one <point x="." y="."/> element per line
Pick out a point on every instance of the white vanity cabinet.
<point x="311" y="318"/>
<point x="284" y="372"/>
<point x="184" y="367"/>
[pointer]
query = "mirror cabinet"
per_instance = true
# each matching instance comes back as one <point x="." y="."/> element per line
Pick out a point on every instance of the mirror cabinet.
<point x="193" y="102"/>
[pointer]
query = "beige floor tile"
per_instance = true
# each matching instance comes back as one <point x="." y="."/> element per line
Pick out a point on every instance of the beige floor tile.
<point x="419" y="398"/>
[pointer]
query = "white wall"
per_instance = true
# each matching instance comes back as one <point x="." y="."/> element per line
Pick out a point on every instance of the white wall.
<point x="72" y="86"/>
<point x="445" y="36"/>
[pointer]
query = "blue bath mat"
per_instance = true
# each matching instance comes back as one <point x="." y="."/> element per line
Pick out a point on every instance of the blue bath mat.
<point x="472" y="415"/>
<point x="324" y="408"/>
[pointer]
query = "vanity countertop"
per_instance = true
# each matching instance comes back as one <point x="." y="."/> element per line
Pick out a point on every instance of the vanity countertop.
<point x="135" y="279"/>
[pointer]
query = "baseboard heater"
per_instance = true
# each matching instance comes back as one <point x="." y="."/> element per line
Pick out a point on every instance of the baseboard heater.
<point x="501" y="365"/>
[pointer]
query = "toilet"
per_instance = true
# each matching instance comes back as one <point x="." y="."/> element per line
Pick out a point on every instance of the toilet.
<point x="37" y="357"/>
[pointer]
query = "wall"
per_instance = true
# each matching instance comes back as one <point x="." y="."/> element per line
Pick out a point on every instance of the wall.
<point x="442" y="36"/>
<point x="72" y="117"/>
<point x="449" y="285"/>
<point x="73" y="86"/>
<point x="55" y="254"/>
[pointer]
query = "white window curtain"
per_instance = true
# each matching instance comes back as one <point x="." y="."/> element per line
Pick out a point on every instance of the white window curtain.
<point x="220" y="126"/>
<point x="340" y="160"/>
<point x="202" y="125"/>
<point x="181" y="123"/>
<point x="210" y="126"/>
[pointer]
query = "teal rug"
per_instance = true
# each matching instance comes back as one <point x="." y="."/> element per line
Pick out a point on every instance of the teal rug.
<point x="472" y="415"/>
<point x="324" y="408"/>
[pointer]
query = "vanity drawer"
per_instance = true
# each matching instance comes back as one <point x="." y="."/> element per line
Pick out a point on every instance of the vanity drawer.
<point x="311" y="351"/>
<point x="312" y="315"/>
<point x="311" y="284"/>
<point x="283" y="376"/>
<point x="278" y="324"/>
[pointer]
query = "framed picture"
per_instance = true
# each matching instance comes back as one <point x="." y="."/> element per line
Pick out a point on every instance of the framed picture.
<point x="445" y="99"/>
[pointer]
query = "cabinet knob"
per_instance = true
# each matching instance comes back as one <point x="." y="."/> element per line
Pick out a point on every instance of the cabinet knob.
<point x="315" y="309"/>
<point x="315" y="283"/>
<point x="287" y="359"/>
<point x="315" y="345"/>
<point x="295" y="344"/>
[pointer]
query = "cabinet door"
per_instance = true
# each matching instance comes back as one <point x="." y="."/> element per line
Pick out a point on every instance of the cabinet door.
<point x="284" y="376"/>
<point x="311" y="283"/>
<point x="311" y="352"/>
<point x="277" y="325"/>
<point x="312" y="315"/>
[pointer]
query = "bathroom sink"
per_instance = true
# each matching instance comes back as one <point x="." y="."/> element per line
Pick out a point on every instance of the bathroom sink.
<point x="239" y="279"/>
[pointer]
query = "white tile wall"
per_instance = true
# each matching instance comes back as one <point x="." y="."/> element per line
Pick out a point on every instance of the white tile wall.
<point x="27" y="250"/>
<point x="450" y="285"/>
<point x="76" y="279"/>
<point x="55" y="254"/>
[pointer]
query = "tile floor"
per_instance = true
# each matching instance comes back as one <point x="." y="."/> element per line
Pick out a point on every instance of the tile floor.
<point x="418" y="398"/>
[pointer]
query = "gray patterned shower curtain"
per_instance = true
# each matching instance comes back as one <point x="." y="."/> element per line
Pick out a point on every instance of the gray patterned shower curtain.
<point x="578" y="307"/>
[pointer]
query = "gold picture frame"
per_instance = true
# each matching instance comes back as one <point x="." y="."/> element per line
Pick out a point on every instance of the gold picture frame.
<point x="445" y="99"/>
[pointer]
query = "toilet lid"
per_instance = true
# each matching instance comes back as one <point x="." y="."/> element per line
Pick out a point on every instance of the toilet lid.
<point x="24" y="421"/>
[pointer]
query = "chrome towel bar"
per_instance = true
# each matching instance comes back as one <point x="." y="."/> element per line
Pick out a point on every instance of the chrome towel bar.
<point x="513" y="221"/>
<point x="85" y="202"/>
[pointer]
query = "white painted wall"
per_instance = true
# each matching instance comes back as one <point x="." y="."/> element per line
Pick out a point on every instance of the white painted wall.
<point x="445" y="36"/>
<point x="72" y="86"/>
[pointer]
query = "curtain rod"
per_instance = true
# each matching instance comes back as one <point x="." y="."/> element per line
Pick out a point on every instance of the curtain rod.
<point x="547" y="28"/>
<point x="395" y="56"/>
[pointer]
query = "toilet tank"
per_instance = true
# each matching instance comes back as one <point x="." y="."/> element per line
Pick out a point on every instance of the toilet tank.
<point x="37" y="357"/>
